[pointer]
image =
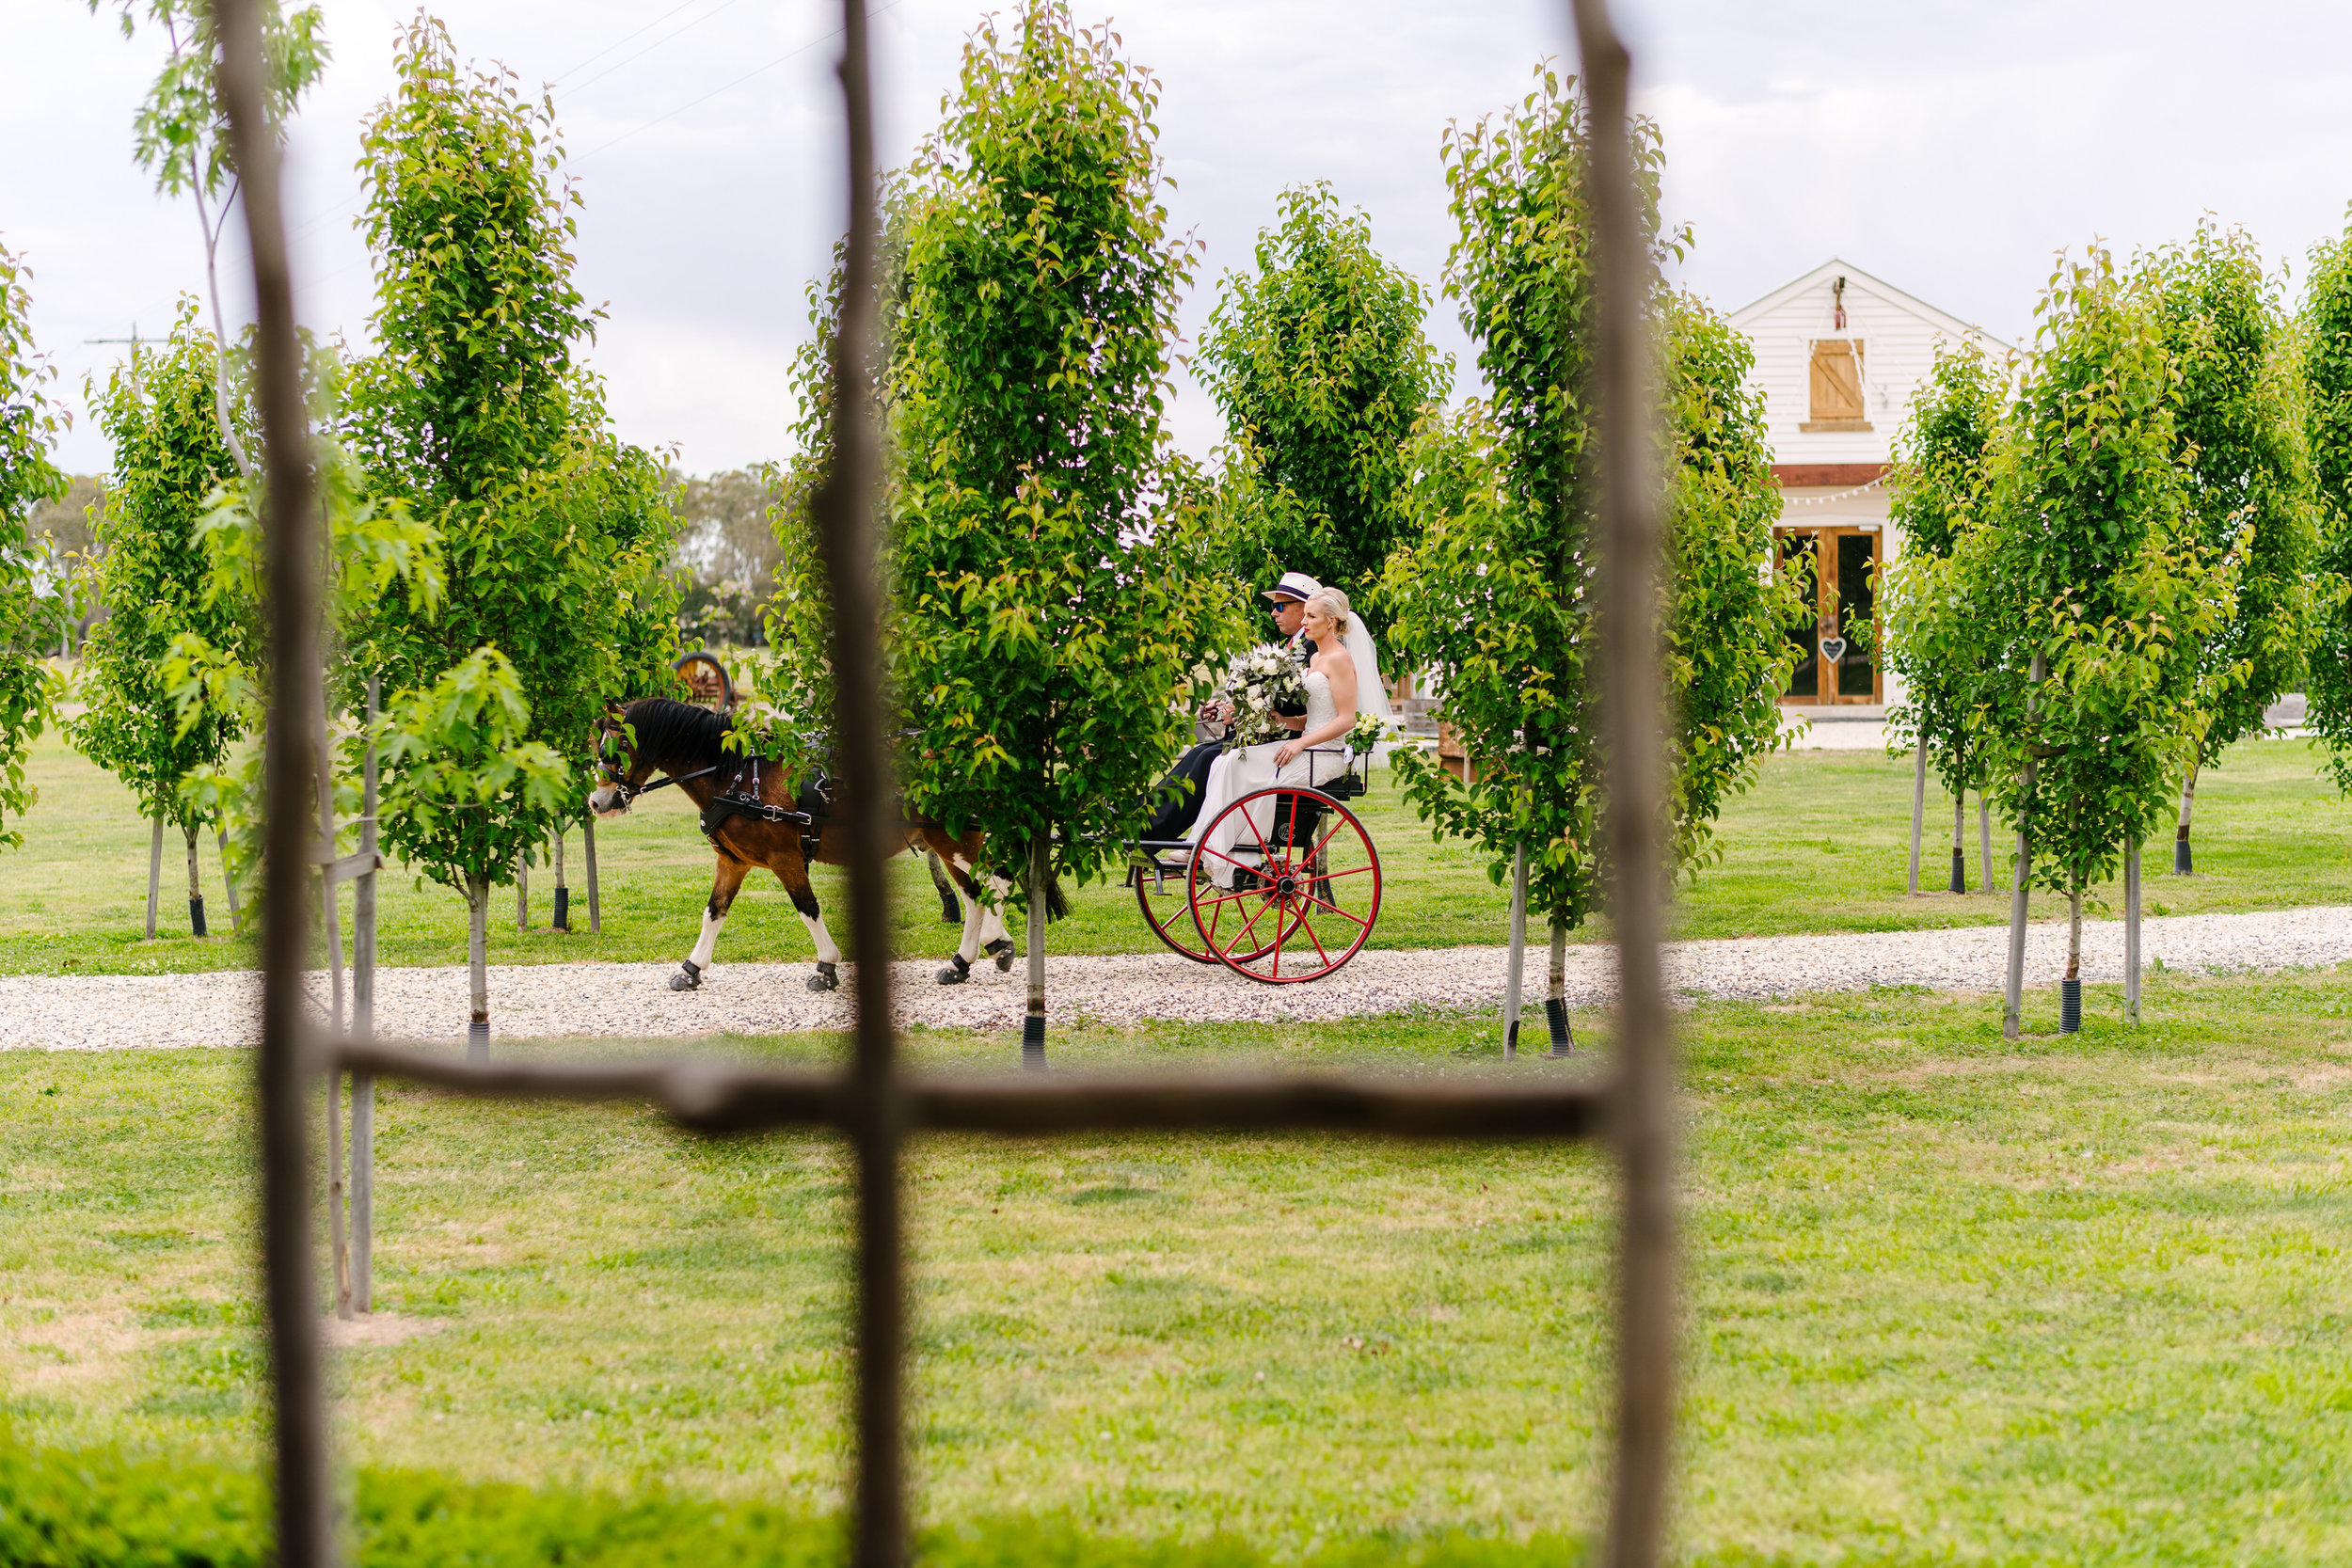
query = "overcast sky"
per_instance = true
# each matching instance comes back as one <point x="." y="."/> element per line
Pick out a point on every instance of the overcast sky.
<point x="1949" y="149"/>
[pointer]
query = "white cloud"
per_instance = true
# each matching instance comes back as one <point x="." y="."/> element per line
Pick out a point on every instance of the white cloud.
<point x="1949" y="147"/>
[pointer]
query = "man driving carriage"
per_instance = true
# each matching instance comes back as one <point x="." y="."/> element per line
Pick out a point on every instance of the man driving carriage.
<point x="1176" y="799"/>
<point x="1339" y="676"/>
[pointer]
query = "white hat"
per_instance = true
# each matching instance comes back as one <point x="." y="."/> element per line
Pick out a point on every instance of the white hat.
<point x="1295" y="585"/>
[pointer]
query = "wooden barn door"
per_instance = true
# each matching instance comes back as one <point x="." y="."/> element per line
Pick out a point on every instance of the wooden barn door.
<point x="1839" y="662"/>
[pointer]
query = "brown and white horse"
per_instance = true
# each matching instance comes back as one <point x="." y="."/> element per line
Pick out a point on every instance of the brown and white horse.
<point x="683" y="742"/>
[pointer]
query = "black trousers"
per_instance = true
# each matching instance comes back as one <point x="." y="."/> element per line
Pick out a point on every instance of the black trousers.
<point x="1172" y="804"/>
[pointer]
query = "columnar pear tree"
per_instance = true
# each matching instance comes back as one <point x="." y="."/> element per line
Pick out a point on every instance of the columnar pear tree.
<point x="1319" y="363"/>
<point x="170" y="465"/>
<point x="476" y="413"/>
<point x="29" y="422"/>
<point x="1046" y="609"/>
<point x="2326" y="334"/>
<point x="1495" y="593"/>
<point x="2238" y="428"/>
<point x="2097" y="591"/>
<point x="180" y="131"/>
<point x="1932" y="635"/>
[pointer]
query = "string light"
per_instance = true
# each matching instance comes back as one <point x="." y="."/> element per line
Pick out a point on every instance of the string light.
<point x="1835" y="496"/>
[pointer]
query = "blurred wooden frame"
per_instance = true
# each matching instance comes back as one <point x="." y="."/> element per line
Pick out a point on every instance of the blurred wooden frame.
<point x="872" y="1104"/>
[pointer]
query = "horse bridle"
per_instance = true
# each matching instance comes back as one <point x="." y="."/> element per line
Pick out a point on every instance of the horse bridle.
<point x="608" y="770"/>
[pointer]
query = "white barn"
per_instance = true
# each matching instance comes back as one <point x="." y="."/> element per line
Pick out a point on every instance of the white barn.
<point x="1839" y="355"/>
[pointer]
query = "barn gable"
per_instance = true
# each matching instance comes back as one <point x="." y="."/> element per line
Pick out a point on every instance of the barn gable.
<point x="1838" y="356"/>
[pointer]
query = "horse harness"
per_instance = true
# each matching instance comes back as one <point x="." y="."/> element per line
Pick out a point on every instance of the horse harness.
<point x="812" y="812"/>
<point x="816" y="795"/>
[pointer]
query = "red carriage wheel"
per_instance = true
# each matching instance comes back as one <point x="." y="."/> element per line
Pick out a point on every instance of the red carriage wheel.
<point x="1167" y="910"/>
<point x="707" y="681"/>
<point x="1164" y="909"/>
<point x="1305" y="889"/>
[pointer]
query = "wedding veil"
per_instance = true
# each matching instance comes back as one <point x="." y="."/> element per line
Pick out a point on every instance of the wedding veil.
<point x="1372" y="692"/>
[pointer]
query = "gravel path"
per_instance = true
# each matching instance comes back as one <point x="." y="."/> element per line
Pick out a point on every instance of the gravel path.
<point x="540" y="1001"/>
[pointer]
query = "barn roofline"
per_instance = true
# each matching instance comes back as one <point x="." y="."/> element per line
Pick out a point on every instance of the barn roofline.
<point x="1952" y="325"/>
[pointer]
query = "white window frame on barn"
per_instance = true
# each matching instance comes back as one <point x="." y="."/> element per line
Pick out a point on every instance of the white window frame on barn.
<point x="1831" y="461"/>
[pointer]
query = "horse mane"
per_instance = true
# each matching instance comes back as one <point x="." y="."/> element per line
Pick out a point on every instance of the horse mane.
<point x="672" y="734"/>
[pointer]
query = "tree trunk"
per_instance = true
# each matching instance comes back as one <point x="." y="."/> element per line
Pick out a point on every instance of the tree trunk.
<point x="522" y="895"/>
<point x="196" y="887"/>
<point x="2130" y="931"/>
<point x="588" y="848"/>
<point x="2071" y="990"/>
<point x="1517" y="968"/>
<point x="2013" y="999"/>
<point x="155" y="875"/>
<point x="1918" y="810"/>
<point x="563" y="921"/>
<point x="1984" y="836"/>
<point x="1960" y="842"/>
<point x="1556" y="999"/>
<point x="331" y="907"/>
<point x="2182" y="861"/>
<point x="478" y="966"/>
<point x="1033" y="1025"/>
<point x="229" y="881"/>
<point x="339" y="1246"/>
<point x="363" y="1028"/>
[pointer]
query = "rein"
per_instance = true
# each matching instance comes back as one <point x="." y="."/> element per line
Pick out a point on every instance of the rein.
<point x="628" y="793"/>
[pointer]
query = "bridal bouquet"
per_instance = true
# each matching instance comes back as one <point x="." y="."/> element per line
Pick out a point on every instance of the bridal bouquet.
<point x="1263" y="683"/>
<point x="1369" y="732"/>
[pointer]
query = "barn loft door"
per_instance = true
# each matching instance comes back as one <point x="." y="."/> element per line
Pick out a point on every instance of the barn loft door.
<point x="1837" y="660"/>
<point x="1836" y="387"/>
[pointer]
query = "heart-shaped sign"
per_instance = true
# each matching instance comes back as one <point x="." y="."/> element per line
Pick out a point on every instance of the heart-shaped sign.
<point x="1833" y="648"/>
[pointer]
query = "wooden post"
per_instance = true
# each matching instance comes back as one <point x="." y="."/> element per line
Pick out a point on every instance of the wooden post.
<point x="1918" y="810"/>
<point x="2014" y="998"/>
<point x="588" y="848"/>
<point x="1633" y="709"/>
<point x="846" y="525"/>
<point x="1518" y="954"/>
<point x="300" y="1464"/>
<point x="155" y="875"/>
<point x="2130" y="931"/>
<point x="363" y="1028"/>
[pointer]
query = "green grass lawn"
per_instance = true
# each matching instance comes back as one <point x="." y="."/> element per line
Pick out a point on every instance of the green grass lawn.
<point x="1819" y="845"/>
<point x="2079" y="1300"/>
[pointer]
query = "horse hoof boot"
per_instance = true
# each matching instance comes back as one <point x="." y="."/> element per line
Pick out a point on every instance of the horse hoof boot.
<point x="826" y="978"/>
<point x="1001" y="950"/>
<point x="690" y="977"/>
<point x="950" y="912"/>
<point x="957" y="972"/>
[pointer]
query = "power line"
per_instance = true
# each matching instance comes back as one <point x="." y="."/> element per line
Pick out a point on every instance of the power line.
<point x="630" y="59"/>
<point x="727" y="86"/>
<point x="622" y="40"/>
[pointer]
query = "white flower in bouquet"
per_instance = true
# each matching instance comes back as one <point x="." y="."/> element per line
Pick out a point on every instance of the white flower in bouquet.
<point x="1367" y="732"/>
<point x="1260" y="682"/>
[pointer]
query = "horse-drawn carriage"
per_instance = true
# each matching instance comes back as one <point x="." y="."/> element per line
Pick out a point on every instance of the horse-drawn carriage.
<point x="1294" y="895"/>
<point x="1281" y="885"/>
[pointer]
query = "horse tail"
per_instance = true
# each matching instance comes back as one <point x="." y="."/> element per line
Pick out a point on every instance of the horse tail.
<point x="1056" y="905"/>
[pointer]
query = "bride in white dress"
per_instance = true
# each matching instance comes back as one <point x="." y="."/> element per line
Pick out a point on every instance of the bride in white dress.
<point x="1315" y="756"/>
